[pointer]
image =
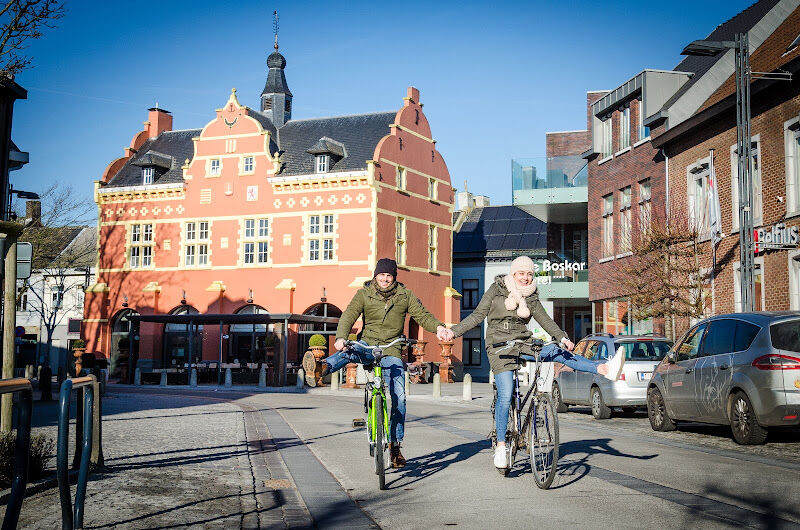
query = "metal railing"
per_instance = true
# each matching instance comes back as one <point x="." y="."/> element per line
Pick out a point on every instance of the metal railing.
<point x="72" y="517"/>
<point x="21" y="452"/>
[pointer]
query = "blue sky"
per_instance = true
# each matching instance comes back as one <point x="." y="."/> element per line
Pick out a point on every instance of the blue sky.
<point x="493" y="77"/>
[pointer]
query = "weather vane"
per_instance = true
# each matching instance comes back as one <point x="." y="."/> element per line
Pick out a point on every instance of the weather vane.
<point x="275" y="27"/>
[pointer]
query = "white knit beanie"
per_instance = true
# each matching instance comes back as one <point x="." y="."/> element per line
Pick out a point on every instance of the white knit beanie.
<point x="522" y="263"/>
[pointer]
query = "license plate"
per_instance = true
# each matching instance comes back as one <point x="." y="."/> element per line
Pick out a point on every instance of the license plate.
<point x="645" y="376"/>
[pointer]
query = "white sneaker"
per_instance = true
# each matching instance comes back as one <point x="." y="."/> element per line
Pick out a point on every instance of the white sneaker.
<point x="500" y="459"/>
<point x="615" y="364"/>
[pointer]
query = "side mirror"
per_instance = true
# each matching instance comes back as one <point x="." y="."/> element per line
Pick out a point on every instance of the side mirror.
<point x="671" y="358"/>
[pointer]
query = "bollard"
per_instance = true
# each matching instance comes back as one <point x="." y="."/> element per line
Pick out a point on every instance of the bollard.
<point x="137" y="377"/>
<point x="262" y="377"/>
<point x="72" y="517"/>
<point x="163" y="381"/>
<point x="466" y="394"/>
<point x="335" y="381"/>
<point x="38" y="372"/>
<point x="408" y="383"/>
<point x="437" y="385"/>
<point x="301" y="377"/>
<point x="96" y="460"/>
<point x="228" y="378"/>
<point x="46" y="383"/>
<point x="193" y="378"/>
<point x="29" y="372"/>
<point x="491" y="377"/>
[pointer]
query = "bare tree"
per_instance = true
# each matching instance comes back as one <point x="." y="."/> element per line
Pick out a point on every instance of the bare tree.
<point x="64" y="250"/>
<point x="663" y="276"/>
<point x="20" y="22"/>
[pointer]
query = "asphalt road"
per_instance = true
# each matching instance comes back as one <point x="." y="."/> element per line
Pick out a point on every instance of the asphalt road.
<point x="201" y="459"/>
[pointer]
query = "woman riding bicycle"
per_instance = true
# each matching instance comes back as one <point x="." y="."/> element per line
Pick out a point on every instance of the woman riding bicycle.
<point x="508" y="305"/>
<point x="383" y="304"/>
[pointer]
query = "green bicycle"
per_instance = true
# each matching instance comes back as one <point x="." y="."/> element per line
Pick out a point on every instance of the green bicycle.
<point x="376" y="405"/>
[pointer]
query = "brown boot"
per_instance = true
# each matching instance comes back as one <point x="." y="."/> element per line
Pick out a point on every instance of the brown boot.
<point x="396" y="457"/>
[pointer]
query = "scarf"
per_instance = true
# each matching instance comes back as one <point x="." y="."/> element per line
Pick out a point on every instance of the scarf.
<point x="516" y="296"/>
<point x="386" y="293"/>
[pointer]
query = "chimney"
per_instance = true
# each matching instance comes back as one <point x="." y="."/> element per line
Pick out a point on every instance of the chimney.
<point x="33" y="211"/>
<point x="158" y="121"/>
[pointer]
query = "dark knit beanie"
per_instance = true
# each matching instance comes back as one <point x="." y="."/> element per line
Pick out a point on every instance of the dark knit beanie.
<point x="386" y="265"/>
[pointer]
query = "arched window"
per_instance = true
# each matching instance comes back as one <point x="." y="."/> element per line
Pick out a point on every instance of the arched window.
<point x="180" y="338"/>
<point x="250" y="343"/>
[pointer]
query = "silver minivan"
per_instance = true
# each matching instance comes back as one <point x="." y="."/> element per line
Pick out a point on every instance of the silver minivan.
<point x="740" y="369"/>
<point x="642" y="354"/>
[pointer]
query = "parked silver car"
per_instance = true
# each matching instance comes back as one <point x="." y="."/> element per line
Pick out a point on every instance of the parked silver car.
<point x="642" y="354"/>
<point x="740" y="369"/>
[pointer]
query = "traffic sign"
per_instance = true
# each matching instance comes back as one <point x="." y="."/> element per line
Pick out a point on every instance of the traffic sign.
<point x="24" y="260"/>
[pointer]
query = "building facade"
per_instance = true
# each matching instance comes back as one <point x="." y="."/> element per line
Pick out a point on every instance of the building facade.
<point x="708" y="139"/>
<point x="258" y="212"/>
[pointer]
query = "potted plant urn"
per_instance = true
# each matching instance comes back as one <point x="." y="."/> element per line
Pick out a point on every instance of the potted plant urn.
<point x="317" y="344"/>
<point x="351" y="372"/>
<point x="78" y="349"/>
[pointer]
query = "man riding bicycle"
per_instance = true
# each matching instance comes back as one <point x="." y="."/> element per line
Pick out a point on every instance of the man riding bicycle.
<point x="383" y="304"/>
<point x="508" y="305"/>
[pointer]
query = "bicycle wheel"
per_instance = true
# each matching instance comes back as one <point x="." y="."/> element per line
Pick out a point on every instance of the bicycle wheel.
<point x="543" y="440"/>
<point x="380" y="465"/>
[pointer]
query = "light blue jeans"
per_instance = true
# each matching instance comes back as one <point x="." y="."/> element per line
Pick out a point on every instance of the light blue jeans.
<point x="393" y="376"/>
<point x="505" y="382"/>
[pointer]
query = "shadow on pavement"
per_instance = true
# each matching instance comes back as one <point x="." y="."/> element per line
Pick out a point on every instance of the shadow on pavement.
<point x="774" y="511"/>
<point x="570" y="470"/>
<point x="421" y="467"/>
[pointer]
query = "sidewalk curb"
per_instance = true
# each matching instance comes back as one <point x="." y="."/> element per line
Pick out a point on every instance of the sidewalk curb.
<point x="210" y="389"/>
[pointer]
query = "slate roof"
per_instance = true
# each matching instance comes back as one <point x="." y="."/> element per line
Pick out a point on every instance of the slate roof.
<point x="176" y="146"/>
<point x="76" y="243"/>
<point x="359" y="133"/>
<point x="496" y="229"/>
<point x="741" y="23"/>
<point x="276" y="79"/>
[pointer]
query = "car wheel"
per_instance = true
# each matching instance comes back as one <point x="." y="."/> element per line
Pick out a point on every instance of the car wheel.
<point x="657" y="411"/>
<point x="560" y="405"/>
<point x="744" y="423"/>
<point x="599" y="409"/>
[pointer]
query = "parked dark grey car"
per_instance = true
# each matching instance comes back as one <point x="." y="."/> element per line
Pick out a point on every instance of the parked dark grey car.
<point x="740" y="369"/>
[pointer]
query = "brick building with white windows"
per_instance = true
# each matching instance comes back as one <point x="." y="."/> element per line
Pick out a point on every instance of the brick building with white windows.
<point x="775" y="136"/>
<point x="638" y="128"/>
<point x="257" y="212"/>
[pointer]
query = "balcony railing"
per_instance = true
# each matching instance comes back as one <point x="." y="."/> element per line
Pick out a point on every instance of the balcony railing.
<point x="548" y="173"/>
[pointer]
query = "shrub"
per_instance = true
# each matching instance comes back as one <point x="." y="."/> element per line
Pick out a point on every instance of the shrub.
<point x="317" y="341"/>
<point x="42" y="450"/>
<point x="78" y="343"/>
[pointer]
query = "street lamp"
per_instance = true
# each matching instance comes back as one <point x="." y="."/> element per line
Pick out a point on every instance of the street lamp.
<point x="741" y="48"/>
<point x="22" y="195"/>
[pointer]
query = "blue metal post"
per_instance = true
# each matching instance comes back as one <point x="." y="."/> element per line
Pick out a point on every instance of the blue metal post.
<point x="21" y="452"/>
<point x="62" y="455"/>
<point x="86" y="453"/>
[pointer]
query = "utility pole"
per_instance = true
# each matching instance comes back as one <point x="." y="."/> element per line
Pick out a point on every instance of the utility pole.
<point x="744" y="152"/>
<point x="12" y="232"/>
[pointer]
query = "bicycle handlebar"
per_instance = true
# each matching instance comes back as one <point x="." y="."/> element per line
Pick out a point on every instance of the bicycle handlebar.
<point x="401" y="339"/>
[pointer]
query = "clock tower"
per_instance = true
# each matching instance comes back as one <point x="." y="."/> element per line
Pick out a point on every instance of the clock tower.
<point x="276" y="99"/>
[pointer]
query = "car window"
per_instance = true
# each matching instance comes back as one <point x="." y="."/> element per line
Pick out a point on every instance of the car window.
<point x="645" y="350"/>
<point x="745" y="333"/>
<point x="786" y="335"/>
<point x="719" y="338"/>
<point x="579" y="348"/>
<point x="591" y="349"/>
<point x="602" y="352"/>
<point x="691" y="344"/>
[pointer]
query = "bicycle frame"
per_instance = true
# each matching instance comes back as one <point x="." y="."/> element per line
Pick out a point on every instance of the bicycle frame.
<point x="371" y="391"/>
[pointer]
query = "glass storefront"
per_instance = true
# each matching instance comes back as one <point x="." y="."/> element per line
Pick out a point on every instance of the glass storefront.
<point x="615" y="317"/>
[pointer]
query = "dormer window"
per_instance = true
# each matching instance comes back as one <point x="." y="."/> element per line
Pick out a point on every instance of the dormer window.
<point x="147" y="175"/>
<point x="322" y="163"/>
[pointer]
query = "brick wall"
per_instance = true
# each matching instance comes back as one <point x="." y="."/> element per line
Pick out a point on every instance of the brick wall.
<point x="567" y="143"/>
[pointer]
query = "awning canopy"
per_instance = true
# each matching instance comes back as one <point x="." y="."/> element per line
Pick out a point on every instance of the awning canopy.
<point x="234" y="318"/>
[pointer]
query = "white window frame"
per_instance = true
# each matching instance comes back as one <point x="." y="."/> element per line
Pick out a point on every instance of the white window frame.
<point x="248" y="164"/>
<point x="645" y="205"/>
<point x="196" y="244"/>
<point x="320" y="236"/>
<point x="758" y="204"/>
<point x="433" y="236"/>
<point x="321" y="163"/>
<point x="148" y="175"/>
<point x="256" y="241"/>
<point x="607" y="249"/>
<point x="402" y="178"/>
<point x="791" y="133"/>
<point x="737" y="281"/>
<point x="644" y="131"/>
<point x="624" y="141"/>
<point x="698" y="203"/>
<point x="140" y="246"/>
<point x="400" y="240"/>
<point x="432" y="189"/>
<point x="794" y="279"/>
<point x="625" y="220"/>
<point x="215" y="167"/>
<point x="606" y="143"/>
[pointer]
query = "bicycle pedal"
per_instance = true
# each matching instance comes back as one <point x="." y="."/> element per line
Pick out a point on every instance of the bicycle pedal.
<point x="359" y="422"/>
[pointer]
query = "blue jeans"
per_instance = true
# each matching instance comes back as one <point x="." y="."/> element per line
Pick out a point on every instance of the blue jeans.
<point x="393" y="377"/>
<point x="505" y="382"/>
